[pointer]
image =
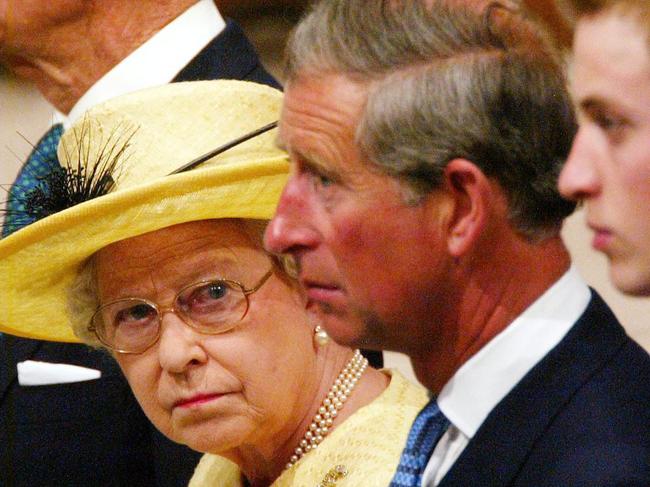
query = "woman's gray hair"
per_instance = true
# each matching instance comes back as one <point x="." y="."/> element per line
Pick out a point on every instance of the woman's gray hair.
<point x="446" y="80"/>
<point x="83" y="300"/>
<point x="83" y="293"/>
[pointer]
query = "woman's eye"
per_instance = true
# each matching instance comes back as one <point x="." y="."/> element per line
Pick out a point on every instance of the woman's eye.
<point x="134" y="314"/>
<point x="207" y="294"/>
<point x="217" y="290"/>
<point x="211" y="299"/>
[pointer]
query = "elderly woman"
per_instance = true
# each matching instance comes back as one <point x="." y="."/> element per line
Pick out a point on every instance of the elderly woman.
<point x="161" y="262"/>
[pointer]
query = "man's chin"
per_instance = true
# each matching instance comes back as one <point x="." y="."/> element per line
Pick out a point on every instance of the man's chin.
<point x="631" y="280"/>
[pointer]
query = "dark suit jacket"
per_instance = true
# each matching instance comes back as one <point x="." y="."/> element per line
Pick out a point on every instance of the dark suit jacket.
<point x="93" y="433"/>
<point x="580" y="418"/>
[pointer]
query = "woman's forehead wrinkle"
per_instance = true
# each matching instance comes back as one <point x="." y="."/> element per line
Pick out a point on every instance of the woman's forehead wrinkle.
<point x="175" y="243"/>
<point x="173" y="263"/>
<point x="158" y="279"/>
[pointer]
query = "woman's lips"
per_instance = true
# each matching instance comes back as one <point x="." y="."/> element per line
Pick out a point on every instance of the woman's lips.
<point x="197" y="400"/>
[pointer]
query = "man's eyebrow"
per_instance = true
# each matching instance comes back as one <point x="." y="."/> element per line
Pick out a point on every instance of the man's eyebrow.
<point x="592" y="103"/>
<point x="305" y="160"/>
<point x="315" y="166"/>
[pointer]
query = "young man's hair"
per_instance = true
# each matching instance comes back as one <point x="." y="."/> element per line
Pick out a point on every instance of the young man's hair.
<point x="637" y="10"/>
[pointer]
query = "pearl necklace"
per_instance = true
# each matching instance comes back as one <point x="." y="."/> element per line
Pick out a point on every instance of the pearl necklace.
<point x="330" y="407"/>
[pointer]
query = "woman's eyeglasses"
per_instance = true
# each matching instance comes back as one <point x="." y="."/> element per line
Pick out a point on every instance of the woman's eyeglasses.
<point x="132" y="325"/>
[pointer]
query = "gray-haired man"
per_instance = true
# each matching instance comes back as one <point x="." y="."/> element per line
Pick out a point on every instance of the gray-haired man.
<point x="423" y="216"/>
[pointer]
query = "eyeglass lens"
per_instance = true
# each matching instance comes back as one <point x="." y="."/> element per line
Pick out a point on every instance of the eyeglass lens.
<point x="133" y="324"/>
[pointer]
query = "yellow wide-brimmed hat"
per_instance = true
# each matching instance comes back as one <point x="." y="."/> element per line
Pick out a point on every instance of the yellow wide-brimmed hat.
<point x="131" y="145"/>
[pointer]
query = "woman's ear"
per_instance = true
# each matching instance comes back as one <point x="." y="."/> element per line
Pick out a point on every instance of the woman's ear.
<point x="471" y="194"/>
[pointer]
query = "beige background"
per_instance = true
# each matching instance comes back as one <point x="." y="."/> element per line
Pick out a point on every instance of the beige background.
<point x="25" y="115"/>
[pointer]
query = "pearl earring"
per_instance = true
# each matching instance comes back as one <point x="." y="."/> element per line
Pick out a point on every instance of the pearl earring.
<point x="321" y="338"/>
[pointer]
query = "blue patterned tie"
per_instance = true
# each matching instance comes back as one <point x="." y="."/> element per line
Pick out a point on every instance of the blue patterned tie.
<point x="40" y="163"/>
<point x="427" y="429"/>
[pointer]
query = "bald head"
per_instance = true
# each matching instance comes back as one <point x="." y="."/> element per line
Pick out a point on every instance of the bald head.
<point x="64" y="46"/>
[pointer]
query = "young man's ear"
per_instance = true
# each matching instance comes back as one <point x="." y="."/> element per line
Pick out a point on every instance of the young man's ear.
<point x="471" y="194"/>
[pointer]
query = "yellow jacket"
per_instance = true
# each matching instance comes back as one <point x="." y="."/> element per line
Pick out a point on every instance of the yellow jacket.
<point x="367" y="446"/>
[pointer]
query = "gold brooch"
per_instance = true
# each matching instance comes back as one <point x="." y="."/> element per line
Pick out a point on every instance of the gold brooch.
<point x="333" y="476"/>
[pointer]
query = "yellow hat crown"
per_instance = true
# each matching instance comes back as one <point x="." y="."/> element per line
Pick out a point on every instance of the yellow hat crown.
<point x="147" y="135"/>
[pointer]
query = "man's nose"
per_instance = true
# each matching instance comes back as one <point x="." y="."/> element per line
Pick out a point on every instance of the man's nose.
<point x="579" y="178"/>
<point x="293" y="227"/>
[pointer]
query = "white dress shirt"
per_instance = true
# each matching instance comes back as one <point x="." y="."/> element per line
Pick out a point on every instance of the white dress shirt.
<point x="486" y="378"/>
<point x="157" y="61"/>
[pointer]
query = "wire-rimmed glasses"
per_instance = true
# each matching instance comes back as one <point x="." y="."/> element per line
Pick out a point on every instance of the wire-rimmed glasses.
<point x="132" y="325"/>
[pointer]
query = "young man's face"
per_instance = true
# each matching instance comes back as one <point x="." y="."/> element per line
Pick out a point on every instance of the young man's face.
<point x="609" y="165"/>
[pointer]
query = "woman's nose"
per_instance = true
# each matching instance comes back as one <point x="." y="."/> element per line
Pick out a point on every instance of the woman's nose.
<point x="179" y="345"/>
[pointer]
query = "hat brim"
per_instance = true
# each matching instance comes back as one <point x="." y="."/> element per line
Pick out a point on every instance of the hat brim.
<point x="39" y="262"/>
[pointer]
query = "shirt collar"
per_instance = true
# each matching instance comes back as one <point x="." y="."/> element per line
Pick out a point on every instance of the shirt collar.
<point x="157" y="61"/>
<point x="486" y="378"/>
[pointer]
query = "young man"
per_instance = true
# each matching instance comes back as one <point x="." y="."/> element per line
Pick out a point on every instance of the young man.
<point x="609" y="165"/>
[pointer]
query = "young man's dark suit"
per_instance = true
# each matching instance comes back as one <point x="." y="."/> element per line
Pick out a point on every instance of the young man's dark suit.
<point x="580" y="418"/>
<point x="94" y="433"/>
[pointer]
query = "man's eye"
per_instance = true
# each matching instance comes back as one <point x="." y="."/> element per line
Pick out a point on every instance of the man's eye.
<point x="320" y="180"/>
<point x="323" y="180"/>
<point x="612" y="125"/>
<point x="609" y="123"/>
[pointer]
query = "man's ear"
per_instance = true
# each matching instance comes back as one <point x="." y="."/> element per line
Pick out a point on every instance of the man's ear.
<point x="471" y="194"/>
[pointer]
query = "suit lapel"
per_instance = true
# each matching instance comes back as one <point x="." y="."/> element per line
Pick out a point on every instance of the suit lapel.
<point x="236" y="60"/>
<point x="503" y="442"/>
<point x="12" y="351"/>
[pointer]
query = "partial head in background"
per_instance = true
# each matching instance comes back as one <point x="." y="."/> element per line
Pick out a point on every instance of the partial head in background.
<point x="419" y="161"/>
<point x="64" y="46"/>
<point x="609" y="166"/>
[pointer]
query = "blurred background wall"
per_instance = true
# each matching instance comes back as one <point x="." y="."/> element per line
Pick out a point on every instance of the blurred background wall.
<point x="24" y="116"/>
